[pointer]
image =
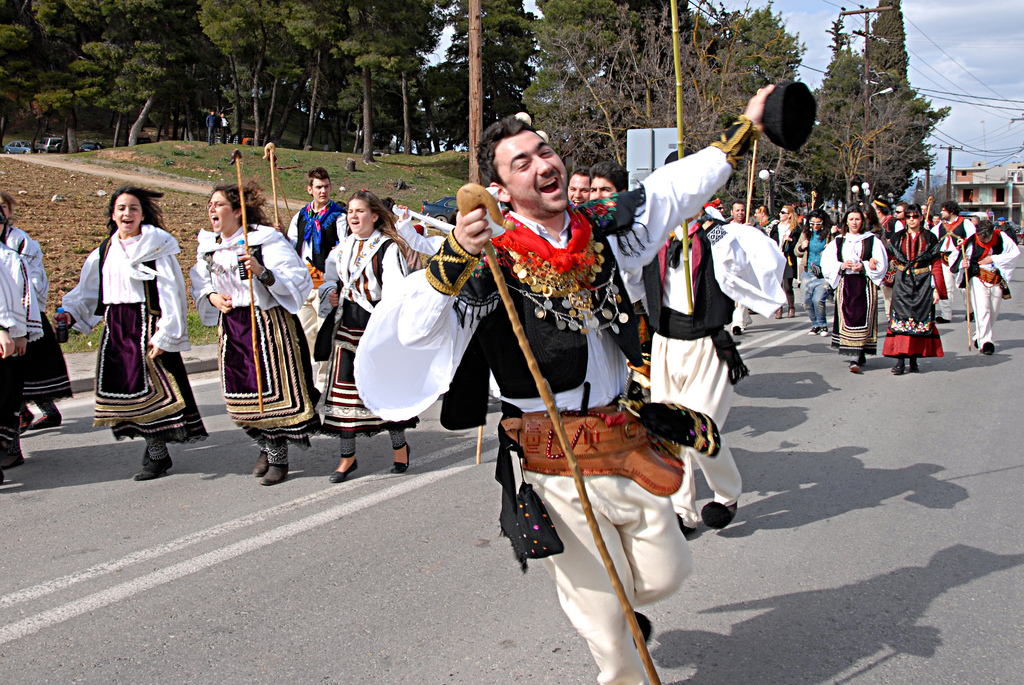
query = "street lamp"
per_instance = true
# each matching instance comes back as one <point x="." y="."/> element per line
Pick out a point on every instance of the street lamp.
<point x="769" y="175"/>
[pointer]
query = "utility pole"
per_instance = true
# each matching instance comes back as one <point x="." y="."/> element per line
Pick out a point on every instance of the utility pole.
<point x="475" y="86"/>
<point x="867" y="61"/>
<point x="949" y="168"/>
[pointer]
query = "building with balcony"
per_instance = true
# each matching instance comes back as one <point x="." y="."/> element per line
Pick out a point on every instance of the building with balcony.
<point x="999" y="189"/>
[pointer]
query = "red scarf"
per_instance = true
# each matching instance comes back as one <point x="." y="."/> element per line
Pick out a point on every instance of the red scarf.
<point x="987" y="246"/>
<point x="527" y="243"/>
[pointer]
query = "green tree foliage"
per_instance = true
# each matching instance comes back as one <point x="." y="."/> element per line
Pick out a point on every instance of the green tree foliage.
<point x="889" y="47"/>
<point x="509" y="48"/>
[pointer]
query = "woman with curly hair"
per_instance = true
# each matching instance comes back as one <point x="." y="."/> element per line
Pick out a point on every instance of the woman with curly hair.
<point x="367" y="263"/>
<point x="133" y="284"/>
<point x="280" y="283"/>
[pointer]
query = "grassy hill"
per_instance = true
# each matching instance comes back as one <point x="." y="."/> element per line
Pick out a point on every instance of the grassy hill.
<point x="428" y="178"/>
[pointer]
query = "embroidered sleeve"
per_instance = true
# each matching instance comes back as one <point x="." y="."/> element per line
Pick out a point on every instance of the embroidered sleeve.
<point x="736" y="141"/>
<point x="451" y="267"/>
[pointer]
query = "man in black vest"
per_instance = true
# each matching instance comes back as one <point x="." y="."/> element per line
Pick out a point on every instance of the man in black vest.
<point x="447" y="332"/>
<point x="694" y="361"/>
<point x="314" y="232"/>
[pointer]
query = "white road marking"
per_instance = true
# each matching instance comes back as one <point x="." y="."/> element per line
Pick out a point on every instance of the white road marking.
<point x="98" y="600"/>
<point x="63" y="582"/>
<point x="764" y="348"/>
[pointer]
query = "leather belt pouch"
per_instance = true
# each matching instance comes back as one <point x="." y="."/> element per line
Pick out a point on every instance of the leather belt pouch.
<point x="606" y="442"/>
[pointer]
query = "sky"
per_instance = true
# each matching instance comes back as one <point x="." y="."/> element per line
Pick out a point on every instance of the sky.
<point x="980" y="57"/>
<point x="981" y="46"/>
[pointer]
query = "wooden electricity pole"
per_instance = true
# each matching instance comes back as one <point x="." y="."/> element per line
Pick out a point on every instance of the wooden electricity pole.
<point x="475" y="86"/>
<point x="949" y="169"/>
<point x="867" y="64"/>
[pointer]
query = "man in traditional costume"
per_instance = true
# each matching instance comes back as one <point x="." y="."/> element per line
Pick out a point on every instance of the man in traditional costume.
<point x="991" y="256"/>
<point x="46" y="373"/>
<point x="854" y="265"/>
<point x="740" y="315"/>
<point x="19" y="325"/>
<point x="314" y="231"/>
<point x="694" y="361"/>
<point x="280" y="283"/>
<point x="917" y="286"/>
<point x="133" y="285"/>
<point x="953" y="230"/>
<point x="446" y="332"/>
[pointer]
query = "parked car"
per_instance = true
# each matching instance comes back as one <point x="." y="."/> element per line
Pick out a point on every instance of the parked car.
<point x="143" y="140"/>
<point x="17" y="147"/>
<point x="90" y="146"/>
<point x="444" y="209"/>
<point x="50" y="143"/>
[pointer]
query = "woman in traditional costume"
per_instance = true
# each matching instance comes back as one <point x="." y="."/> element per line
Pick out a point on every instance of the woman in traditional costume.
<point x="19" y="325"/>
<point x="787" y="234"/>
<point x="854" y="265"/>
<point x="281" y="282"/>
<point x="46" y="373"/>
<point x="917" y="287"/>
<point x="366" y="264"/>
<point x="133" y="284"/>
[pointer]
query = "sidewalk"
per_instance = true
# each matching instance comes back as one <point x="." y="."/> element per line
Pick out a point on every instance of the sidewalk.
<point x="82" y="365"/>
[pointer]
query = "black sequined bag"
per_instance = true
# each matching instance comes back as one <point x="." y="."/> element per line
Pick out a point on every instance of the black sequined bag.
<point x="534" y="526"/>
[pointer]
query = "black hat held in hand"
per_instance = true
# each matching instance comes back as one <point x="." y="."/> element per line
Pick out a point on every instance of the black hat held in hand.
<point x="789" y="114"/>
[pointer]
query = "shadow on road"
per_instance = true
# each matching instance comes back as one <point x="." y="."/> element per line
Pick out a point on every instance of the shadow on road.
<point x="818" y="635"/>
<point x="813" y="486"/>
<point x="754" y="421"/>
<point x="224" y="453"/>
<point x="800" y="385"/>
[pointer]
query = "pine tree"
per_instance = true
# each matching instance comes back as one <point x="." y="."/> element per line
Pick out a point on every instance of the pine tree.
<point x="889" y="49"/>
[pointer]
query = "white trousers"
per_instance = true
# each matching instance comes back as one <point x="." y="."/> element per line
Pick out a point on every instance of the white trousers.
<point x="741" y="317"/>
<point x="651" y="556"/>
<point x="946" y="306"/>
<point x="311" y="323"/>
<point x="985" y="301"/>
<point x="689" y="372"/>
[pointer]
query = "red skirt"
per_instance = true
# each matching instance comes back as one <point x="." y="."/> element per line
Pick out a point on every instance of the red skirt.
<point x="907" y="345"/>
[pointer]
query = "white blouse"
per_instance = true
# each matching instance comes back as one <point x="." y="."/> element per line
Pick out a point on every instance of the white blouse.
<point x="853" y="250"/>
<point x="19" y="311"/>
<point x="124" y="276"/>
<point x="216" y="271"/>
<point x="349" y="269"/>
<point x="32" y="257"/>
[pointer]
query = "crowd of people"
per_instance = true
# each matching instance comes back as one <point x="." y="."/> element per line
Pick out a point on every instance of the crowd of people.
<point x="351" y="322"/>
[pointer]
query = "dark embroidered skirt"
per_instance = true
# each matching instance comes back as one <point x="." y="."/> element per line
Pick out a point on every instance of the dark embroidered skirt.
<point x="46" y="373"/>
<point x="344" y="411"/>
<point x="289" y="396"/>
<point x="11" y="382"/>
<point x="135" y="395"/>
<point x="855" y="325"/>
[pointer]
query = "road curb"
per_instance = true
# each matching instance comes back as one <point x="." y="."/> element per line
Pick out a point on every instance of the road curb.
<point x="83" y="385"/>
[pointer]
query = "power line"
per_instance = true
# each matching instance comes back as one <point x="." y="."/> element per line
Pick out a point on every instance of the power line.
<point x="950" y="57"/>
<point x="976" y="97"/>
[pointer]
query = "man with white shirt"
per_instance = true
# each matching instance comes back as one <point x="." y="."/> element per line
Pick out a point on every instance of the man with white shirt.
<point x="991" y="258"/>
<point x="314" y="231"/>
<point x="447" y="333"/>
<point x="953" y="230"/>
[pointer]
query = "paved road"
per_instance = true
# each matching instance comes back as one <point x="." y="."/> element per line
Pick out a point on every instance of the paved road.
<point x="879" y="540"/>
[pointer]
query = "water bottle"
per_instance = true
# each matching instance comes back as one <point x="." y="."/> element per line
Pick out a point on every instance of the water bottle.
<point x="243" y="273"/>
<point x="61" y="334"/>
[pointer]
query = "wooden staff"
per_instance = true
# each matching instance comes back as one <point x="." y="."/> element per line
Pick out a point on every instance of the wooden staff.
<point x="928" y="213"/>
<point x="479" y="443"/>
<point x="686" y="229"/>
<point x="268" y="153"/>
<point x="469" y="197"/>
<point x="236" y="159"/>
<point x="750" y="179"/>
<point x="814" y="197"/>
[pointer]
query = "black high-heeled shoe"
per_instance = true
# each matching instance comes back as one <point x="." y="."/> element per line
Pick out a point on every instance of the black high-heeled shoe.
<point x="341" y="476"/>
<point x="400" y="467"/>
